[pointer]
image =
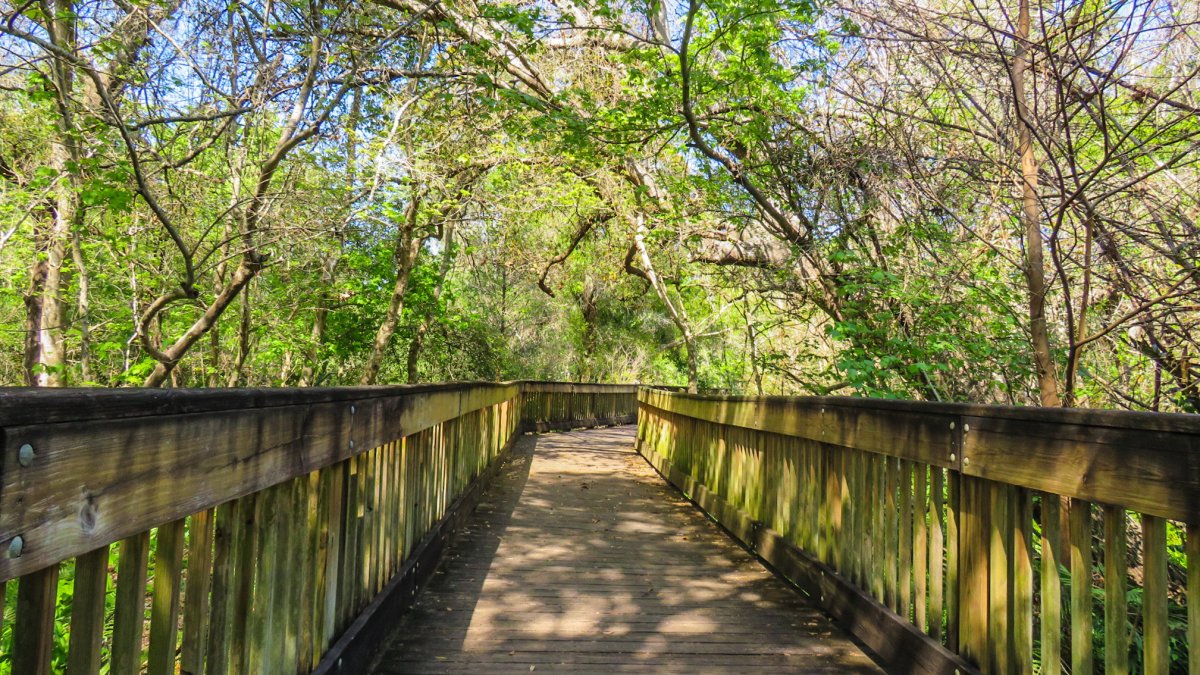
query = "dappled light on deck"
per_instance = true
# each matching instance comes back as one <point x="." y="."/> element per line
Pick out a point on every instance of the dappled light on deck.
<point x="581" y="557"/>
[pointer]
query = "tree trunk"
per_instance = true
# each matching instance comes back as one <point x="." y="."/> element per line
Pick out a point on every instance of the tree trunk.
<point x="408" y="246"/>
<point x="589" y="310"/>
<point x="1035" y="275"/>
<point x="418" y="341"/>
<point x="678" y="314"/>
<point x="33" y="321"/>
<point x="64" y="157"/>
<point x="82" y="308"/>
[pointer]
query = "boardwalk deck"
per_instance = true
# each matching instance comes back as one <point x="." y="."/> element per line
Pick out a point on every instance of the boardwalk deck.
<point x="581" y="558"/>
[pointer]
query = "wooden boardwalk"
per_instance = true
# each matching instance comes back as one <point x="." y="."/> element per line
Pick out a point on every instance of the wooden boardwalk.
<point x="581" y="558"/>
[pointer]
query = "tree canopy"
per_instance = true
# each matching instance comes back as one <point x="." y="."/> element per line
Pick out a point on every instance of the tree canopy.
<point x="934" y="199"/>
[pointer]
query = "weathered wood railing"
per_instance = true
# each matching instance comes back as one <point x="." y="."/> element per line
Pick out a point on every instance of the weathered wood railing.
<point x="548" y="406"/>
<point x="937" y="533"/>
<point x="258" y="531"/>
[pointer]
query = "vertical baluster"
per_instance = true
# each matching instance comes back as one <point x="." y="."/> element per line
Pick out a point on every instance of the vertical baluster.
<point x="1022" y="584"/>
<point x="953" y="517"/>
<point x="904" y="588"/>
<point x="1116" y="607"/>
<point x="87" y="612"/>
<point x="937" y="551"/>
<point x="1154" y="596"/>
<point x="314" y="571"/>
<point x="920" y="547"/>
<point x="33" y="632"/>
<point x="225" y="540"/>
<point x="196" y="601"/>
<point x="1081" y="586"/>
<point x="861" y="538"/>
<point x="1192" y="543"/>
<point x="1050" y="612"/>
<point x="1000" y="557"/>
<point x="891" y="532"/>
<point x="129" y="613"/>
<point x="259" y="620"/>
<point x="333" y="527"/>
<point x="879" y="524"/>
<point x="973" y="544"/>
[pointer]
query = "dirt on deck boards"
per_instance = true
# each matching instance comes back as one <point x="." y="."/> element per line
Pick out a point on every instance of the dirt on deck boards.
<point x="581" y="558"/>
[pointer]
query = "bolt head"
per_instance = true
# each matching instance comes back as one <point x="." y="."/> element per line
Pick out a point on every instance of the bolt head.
<point x="966" y="461"/>
<point x="953" y="457"/>
<point x="16" y="547"/>
<point x="351" y="444"/>
<point x="952" y="425"/>
<point x="966" y="428"/>
<point x="25" y="454"/>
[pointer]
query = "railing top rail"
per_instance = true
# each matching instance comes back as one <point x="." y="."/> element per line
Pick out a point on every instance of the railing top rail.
<point x="1125" y="419"/>
<point x="32" y="405"/>
<point x="81" y="468"/>
<point x="579" y="387"/>
<point x="1145" y="462"/>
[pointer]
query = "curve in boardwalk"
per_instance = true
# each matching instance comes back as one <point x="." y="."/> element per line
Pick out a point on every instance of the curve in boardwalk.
<point x="580" y="557"/>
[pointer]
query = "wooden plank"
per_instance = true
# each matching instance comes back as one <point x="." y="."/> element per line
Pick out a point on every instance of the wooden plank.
<point x="334" y="536"/>
<point x="23" y="405"/>
<point x="87" y="612"/>
<point x="313" y="568"/>
<point x="1022" y="582"/>
<point x="924" y="437"/>
<point x="1080" y="454"/>
<point x="904" y="606"/>
<point x="898" y="643"/>
<point x="1116" y="604"/>
<point x="3" y="616"/>
<point x="920" y="547"/>
<point x="196" y="597"/>
<point x="1080" y="538"/>
<point x="953" y="506"/>
<point x="226" y="538"/>
<point x="1147" y="421"/>
<point x="164" y="609"/>
<point x="859" y="541"/>
<point x="187" y="463"/>
<point x="1050" y="613"/>
<point x="1154" y="597"/>
<point x="296" y="566"/>
<point x="357" y="646"/>
<point x="891" y="532"/>
<point x="937" y="551"/>
<point x="1192" y="544"/>
<point x="1091" y="463"/>
<point x="259" y="623"/>
<point x="242" y="602"/>
<point x="972" y="592"/>
<point x="878" y="480"/>
<point x="539" y="388"/>
<point x="129" y="612"/>
<point x="999" y="560"/>
<point x="33" y="630"/>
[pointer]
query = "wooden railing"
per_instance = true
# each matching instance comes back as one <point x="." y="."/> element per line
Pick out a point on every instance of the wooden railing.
<point x="549" y="406"/>
<point x="955" y="537"/>
<point x="231" y="531"/>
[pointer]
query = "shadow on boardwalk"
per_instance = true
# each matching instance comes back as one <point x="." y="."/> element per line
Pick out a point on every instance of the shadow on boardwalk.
<point x="580" y="558"/>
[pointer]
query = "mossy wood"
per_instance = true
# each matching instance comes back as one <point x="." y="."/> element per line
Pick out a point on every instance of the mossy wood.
<point x="276" y="516"/>
<point x="924" y="516"/>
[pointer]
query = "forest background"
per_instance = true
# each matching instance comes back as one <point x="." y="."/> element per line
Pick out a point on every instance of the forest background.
<point x="941" y="200"/>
